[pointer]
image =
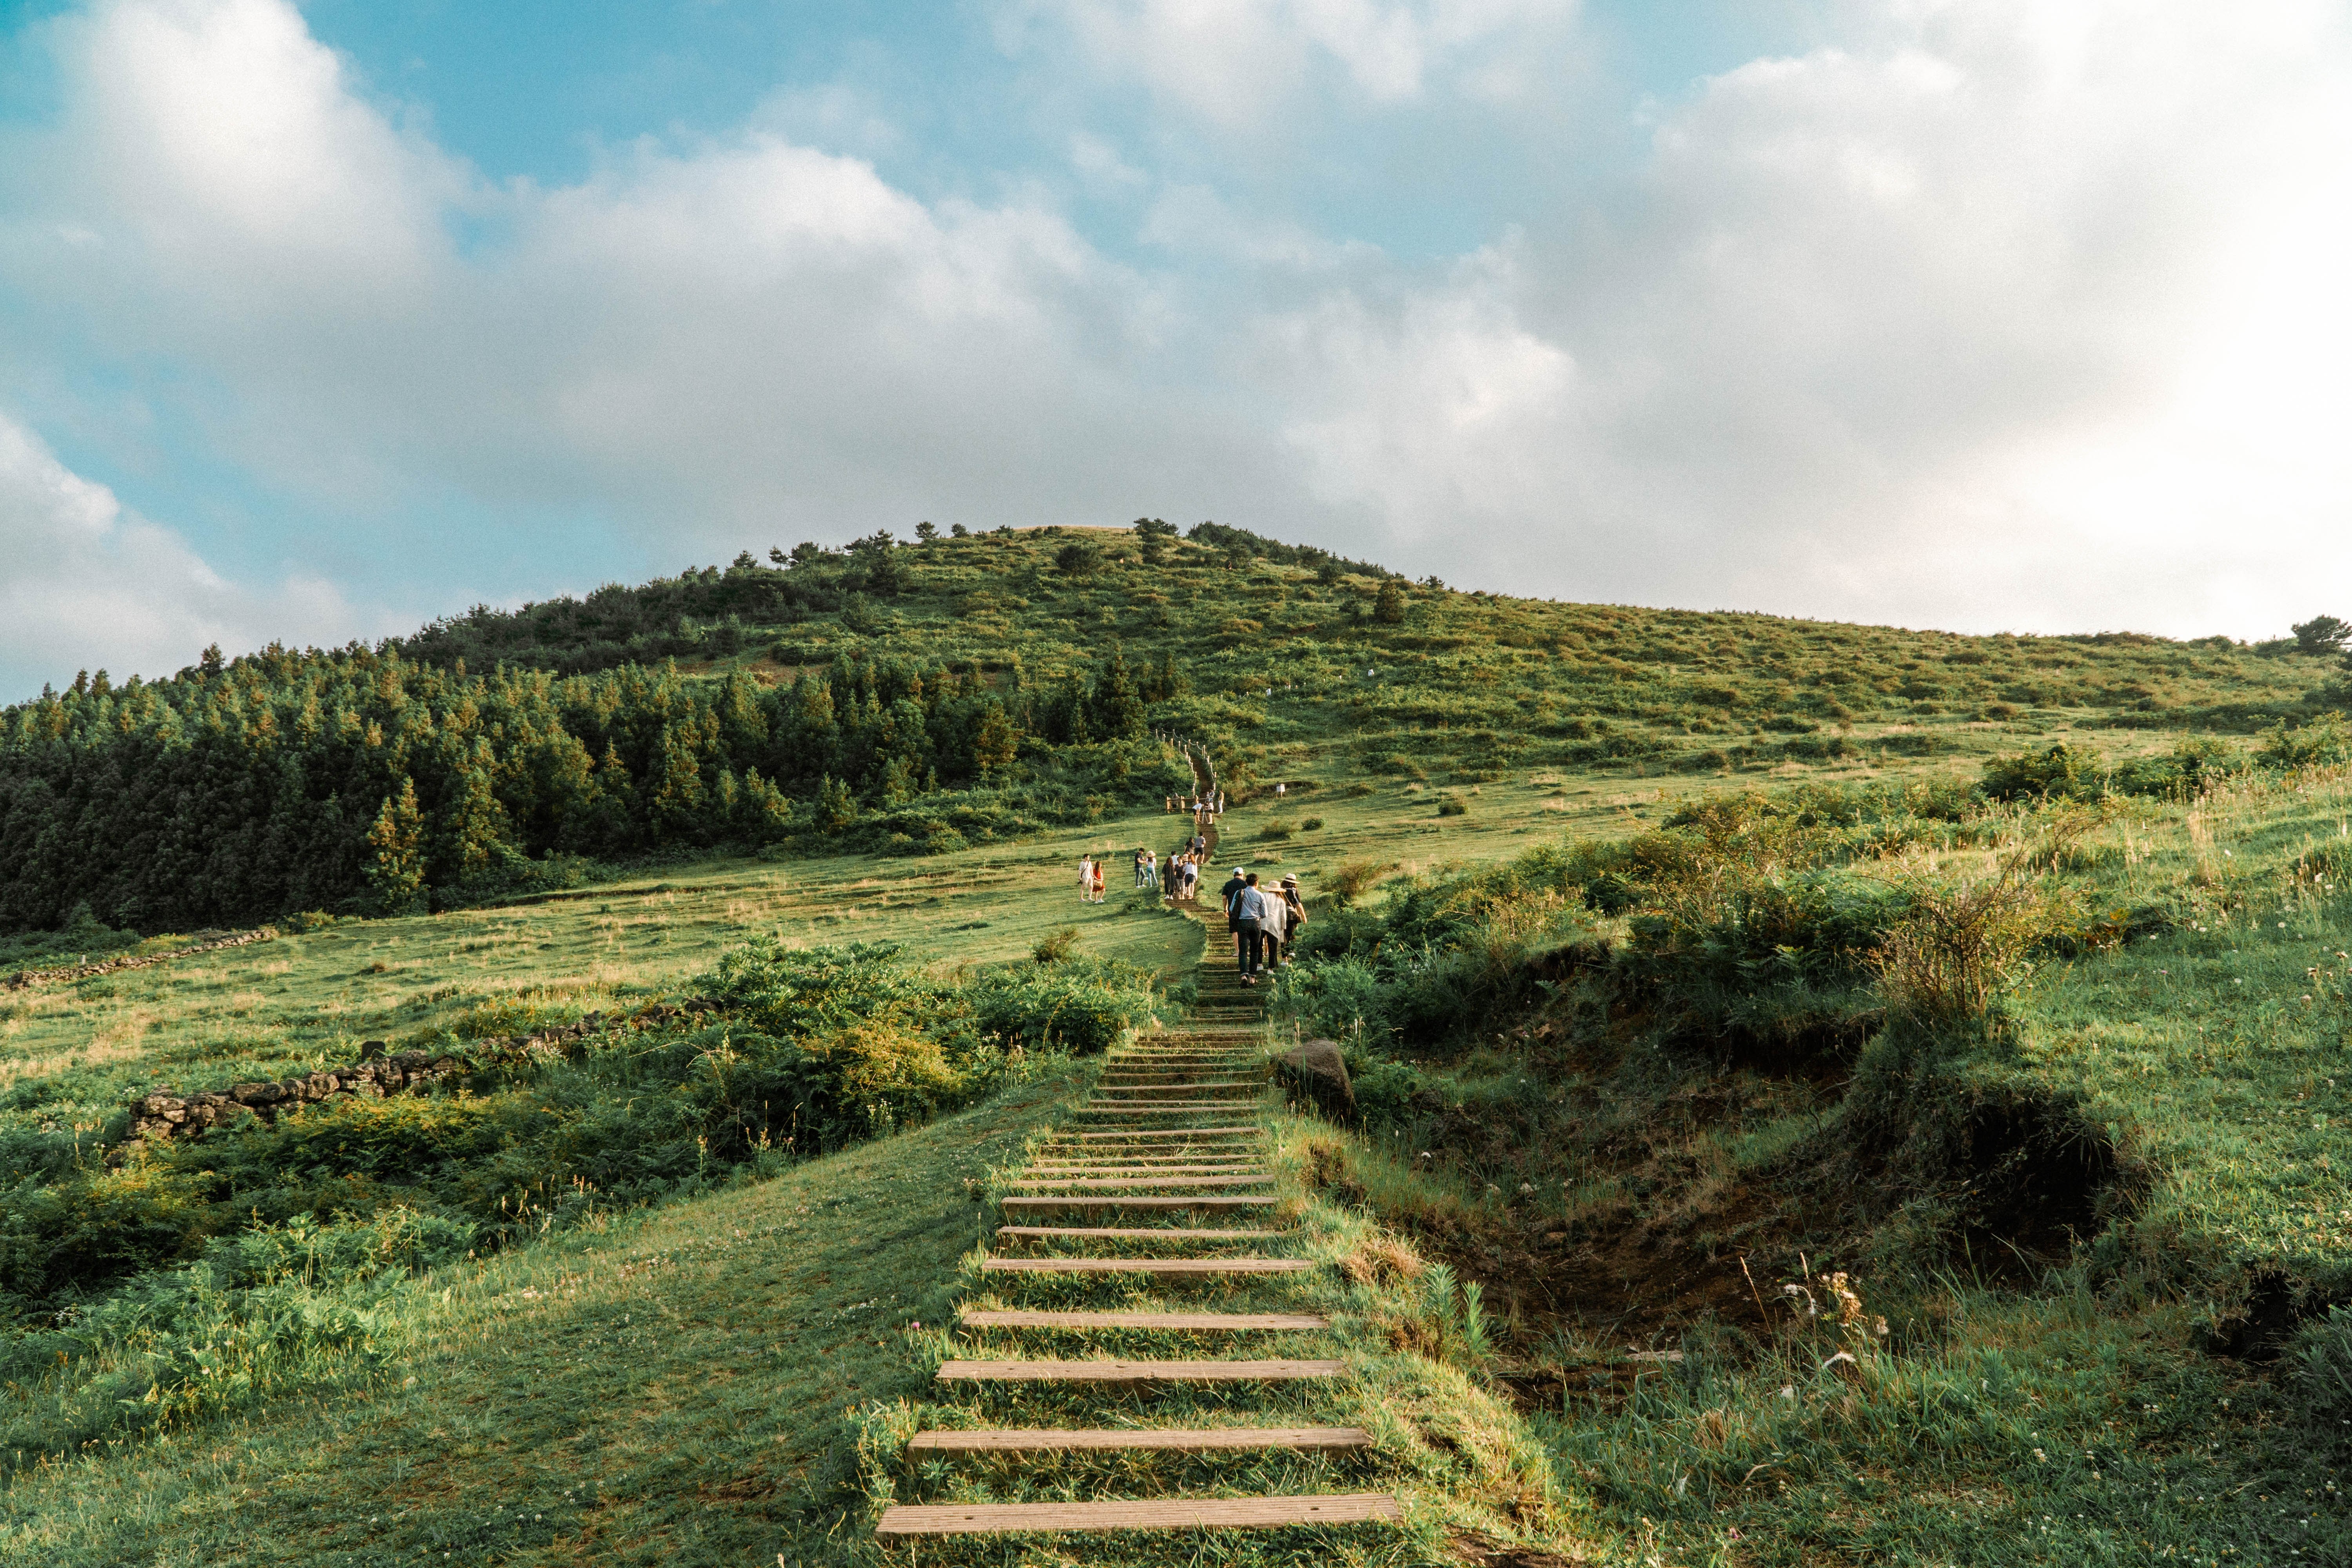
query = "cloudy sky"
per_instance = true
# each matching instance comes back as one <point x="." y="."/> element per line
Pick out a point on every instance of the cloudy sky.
<point x="318" y="320"/>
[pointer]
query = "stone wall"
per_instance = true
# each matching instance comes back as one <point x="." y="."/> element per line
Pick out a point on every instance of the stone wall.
<point x="24" y="977"/>
<point x="165" y="1114"/>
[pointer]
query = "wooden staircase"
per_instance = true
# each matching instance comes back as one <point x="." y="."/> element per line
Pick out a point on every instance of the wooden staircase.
<point x="1173" y="1127"/>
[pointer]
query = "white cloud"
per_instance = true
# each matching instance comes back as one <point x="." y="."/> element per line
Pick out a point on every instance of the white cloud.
<point x="1235" y="62"/>
<point x="1935" y="332"/>
<point x="90" y="585"/>
<point x="745" y="334"/>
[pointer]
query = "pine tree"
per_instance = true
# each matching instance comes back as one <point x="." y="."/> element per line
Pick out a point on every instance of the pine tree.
<point x="395" y="869"/>
<point x="1389" y="608"/>
<point x="1115" y="708"/>
<point x="994" y="740"/>
<point x="837" y="809"/>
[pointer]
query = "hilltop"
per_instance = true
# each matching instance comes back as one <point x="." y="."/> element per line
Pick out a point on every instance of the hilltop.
<point x="913" y="698"/>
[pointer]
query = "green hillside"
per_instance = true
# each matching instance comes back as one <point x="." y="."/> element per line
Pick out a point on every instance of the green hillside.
<point x="1888" y="1088"/>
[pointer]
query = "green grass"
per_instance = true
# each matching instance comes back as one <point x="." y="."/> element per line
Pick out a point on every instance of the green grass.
<point x="672" y="1387"/>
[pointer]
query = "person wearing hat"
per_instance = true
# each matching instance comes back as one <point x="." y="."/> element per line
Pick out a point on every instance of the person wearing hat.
<point x="1274" y="926"/>
<point x="1294" y="913"/>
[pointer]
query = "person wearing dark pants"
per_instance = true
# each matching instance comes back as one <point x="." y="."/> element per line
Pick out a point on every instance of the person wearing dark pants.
<point x="1249" y="929"/>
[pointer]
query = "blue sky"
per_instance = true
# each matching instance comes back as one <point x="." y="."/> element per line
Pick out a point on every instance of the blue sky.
<point x="317" y="322"/>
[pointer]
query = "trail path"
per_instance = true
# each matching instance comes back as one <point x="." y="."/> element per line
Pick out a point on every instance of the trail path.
<point x="1152" y="1181"/>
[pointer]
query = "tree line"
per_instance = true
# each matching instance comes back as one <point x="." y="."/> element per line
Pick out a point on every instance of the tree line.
<point x="365" y="780"/>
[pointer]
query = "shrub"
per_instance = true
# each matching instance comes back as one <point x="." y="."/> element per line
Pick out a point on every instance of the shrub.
<point x="2323" y="740"/>
<point x="1452" y="805"/>
<point x="2319" y="1368"/>
<point x="1354" y="879"/>
<point x="2060" y="772"/>
<point x="1310" y="825"/>
<point x="1943" y="962"/>
<point x="1082" y="1007"/>
<point x="1274" y="832"/>
<point x="1055" y="946"/>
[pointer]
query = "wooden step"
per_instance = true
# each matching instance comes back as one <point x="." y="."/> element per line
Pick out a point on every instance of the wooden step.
<point x="1138" y="1181"/>
<point x="1144" y="1167"/>
<point x="1251" y="1162"/>
<point x="1139" y="1201"/>
<point x="1167" y="1108"/>
<point x="1174" y="1323"/>
<point x="1157" y="1514"/>
<point x="1109" y="1371"/>
<point x="1135" y="1232"/>
<point x="1145" y="1133"/>
<point x="1199" y="1440"/>
<point x="1146" y="1264"/>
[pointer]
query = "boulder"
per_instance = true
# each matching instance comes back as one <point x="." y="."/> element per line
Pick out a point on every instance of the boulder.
<point x="1317" y="1070"/>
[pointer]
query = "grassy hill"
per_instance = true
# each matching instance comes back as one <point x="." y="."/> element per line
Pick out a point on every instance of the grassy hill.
<point x="1928" y="1051"/>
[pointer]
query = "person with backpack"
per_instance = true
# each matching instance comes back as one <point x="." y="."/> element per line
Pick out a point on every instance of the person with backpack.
<point x="1246" y="914"/>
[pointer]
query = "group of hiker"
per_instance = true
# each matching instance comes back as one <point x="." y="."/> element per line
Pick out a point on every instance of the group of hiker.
<point x="1264" y="921"/>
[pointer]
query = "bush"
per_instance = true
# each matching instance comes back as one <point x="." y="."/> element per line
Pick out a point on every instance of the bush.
<point x="1310" y="825"/>
<point x="1055" y="946"/>
<point x="257" y="1316"/>
<point x="1274" y="832"/>
<point x="2319" y="1368"/>
<point x="1452" y="805"/>
<point x="2060" y="772"/>
<point x="2323" y="741"/>
<point x="1081" y="1006"/>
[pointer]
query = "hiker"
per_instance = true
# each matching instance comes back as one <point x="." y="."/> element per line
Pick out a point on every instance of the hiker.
<point x="1280" y="790"/>
<point x="1297" y="909"/>
<point x="1248" y="923"/>
<point x="1274" y="928"/>
<point x="1098" y="879"/>
<point x="1229" y="897"/>
<point x="1085" y="880"/>
<point x="1192" y="880"/>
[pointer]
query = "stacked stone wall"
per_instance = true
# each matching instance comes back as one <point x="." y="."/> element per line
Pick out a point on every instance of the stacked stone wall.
<point x="24" y="977"/>
<point x="164" y="1114"/>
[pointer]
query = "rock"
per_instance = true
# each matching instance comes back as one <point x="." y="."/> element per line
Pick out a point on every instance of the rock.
<point x="371" y="1049"/>
<point x="255" y="1093"/>
<point x="1317" y="1070"/>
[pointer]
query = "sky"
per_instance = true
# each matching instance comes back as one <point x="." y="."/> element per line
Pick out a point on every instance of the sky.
<point x="319" y="322"/>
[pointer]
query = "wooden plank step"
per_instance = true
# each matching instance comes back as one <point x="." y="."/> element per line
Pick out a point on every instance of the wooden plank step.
<point x="1157" y="1514"/>
<point x="1138" y="1181"/>
<point x="1189" y="1322"/>
<point x="1145" y="1167"/>
<point x="1135" y="1232"/>
<point x="1158" y="1168"/>
<point x="1146" y="1264"/>
<point x="1138" y="1201"/>
<point x="1140" y="1134"/>
<point x="1197" y="1440"/>
<point x="1166" y="1107"/>
<point x="1105" y="1370"/>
